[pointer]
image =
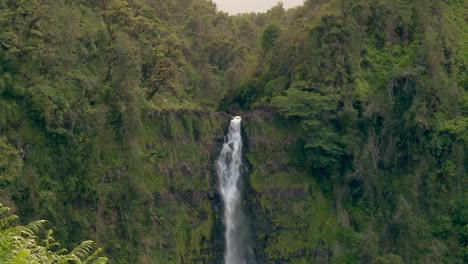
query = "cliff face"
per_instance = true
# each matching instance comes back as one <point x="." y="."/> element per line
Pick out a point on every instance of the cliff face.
<point x="183" y="212"/>
<point x="292" y="221"/>
<point x="159" y="203"/>
<point x="151" y="202"/>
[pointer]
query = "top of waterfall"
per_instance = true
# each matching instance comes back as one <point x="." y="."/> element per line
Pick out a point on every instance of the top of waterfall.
<point x="237" y="118"/>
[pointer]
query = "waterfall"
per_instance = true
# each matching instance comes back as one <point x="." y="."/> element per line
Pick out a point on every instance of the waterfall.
<point x="229" y="166"/>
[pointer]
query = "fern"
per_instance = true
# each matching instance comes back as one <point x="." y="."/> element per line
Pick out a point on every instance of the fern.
<point x="19" y="244"/>
<point x="32" y="228"/>
<point x="7" y="221"/>
<point x="4" y="210"/>
<point x="93" y="258"/>
<point x="84" y="250"/>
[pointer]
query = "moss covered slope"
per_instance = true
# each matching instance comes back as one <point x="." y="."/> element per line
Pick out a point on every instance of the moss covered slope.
<point x="300" y="225"/>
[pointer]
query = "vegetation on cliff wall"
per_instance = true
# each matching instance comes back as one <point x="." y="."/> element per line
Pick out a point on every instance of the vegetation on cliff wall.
<point x="80" y="85"/>
<point x="356" y="136"/>
<point x="293" y="221"/>
<point x="379" y="89"/>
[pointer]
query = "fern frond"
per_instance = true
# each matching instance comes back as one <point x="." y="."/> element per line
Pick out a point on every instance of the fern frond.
<point x="82" y="251"/>
<point x="70" y="258"/>
<point x="48" y="241"/>
<point x="4" y="210"/>
<point x="7" y="221"/>
<point x="32" y="228"/>
<point x="90" y="259"/>
<point x="101" y="260"/>
<point x="62" y="251"/>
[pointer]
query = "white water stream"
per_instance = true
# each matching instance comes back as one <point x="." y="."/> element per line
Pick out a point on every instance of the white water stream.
<point x="229" y="166"/>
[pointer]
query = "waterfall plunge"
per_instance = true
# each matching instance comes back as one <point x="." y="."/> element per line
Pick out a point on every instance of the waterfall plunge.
<point x="229" y="165"/>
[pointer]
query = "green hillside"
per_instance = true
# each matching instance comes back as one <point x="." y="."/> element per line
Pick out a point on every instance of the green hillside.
<point x="112" y="113"/>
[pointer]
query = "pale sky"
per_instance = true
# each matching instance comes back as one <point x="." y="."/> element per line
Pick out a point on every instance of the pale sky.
<point x="245" y="6"/>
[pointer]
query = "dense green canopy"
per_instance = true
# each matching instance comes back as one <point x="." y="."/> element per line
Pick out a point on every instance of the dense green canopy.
<point x="106" y="124"/>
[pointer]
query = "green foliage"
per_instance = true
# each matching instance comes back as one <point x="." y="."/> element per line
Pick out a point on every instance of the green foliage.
<point x="19" y="244"/>
<point x="305" y="104"/>
<point x="10" y="163"/>
<point x="376" y="89"/>
<point x="324" y="144"/>
<point x="78" y="81"/>
<point x="167" y="65"/>
<point x="270" y="36"/>
<point x="388" y="259"/>
<point x="299" y="216"/>
<point x="457" y="127"/>
<point x="105" y="126"/>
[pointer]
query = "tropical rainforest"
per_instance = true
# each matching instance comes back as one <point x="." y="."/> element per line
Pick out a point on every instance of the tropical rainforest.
<point x="355" y="125"/>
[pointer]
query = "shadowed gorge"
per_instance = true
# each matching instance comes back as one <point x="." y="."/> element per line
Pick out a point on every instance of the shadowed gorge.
<point x="116" y="125"/>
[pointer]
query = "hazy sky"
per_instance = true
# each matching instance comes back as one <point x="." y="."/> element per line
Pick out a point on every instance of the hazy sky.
<point x="243" y="6"/>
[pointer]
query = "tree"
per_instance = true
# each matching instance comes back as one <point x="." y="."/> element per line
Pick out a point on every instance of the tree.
<point x="316" y="111"/>
<point x="167" y="61"/>
<point x="270" y="36"/>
